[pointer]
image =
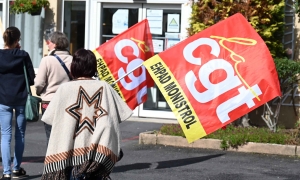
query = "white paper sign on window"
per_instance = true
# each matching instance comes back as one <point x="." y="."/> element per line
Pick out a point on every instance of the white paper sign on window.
<point x="173" y="23"/>
<point x="171" y="42"/>
<point x="158" y="45"/>
<point x="120" y="21"/>
<point x="155" y="20"/>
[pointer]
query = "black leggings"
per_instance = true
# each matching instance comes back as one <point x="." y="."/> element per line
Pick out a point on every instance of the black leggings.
<point x="47" y="127"/>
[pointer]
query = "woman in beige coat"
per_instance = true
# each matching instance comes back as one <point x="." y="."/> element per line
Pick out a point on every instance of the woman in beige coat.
<point x="51" y="72"/>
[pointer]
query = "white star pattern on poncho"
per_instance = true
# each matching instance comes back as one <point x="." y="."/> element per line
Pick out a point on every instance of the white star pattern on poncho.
<point x="86" y="110"/>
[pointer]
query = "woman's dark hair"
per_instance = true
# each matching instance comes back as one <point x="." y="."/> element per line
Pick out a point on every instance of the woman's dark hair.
<point x="11" y="36"/>
<point x="84" y="64"/>
<point x="60" y="40"/>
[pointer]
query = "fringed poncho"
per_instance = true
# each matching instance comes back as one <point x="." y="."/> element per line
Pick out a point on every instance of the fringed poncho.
<point x="85" y="136"/>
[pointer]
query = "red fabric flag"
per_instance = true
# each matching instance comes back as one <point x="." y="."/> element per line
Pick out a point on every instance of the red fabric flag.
<point x="215" y="76"/>
<point x="122" y="54"/>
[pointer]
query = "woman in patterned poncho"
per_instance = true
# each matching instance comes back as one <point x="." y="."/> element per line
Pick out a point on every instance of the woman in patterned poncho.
<point x="85" y="116"/>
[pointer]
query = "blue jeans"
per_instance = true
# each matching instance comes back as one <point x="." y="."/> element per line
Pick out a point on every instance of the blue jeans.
<point x="6" y="114"/>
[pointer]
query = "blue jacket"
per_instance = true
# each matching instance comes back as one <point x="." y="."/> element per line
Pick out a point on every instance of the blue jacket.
<point x="13" y="90"/>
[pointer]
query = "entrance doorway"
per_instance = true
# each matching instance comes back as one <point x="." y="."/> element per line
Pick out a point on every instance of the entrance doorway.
<point x="165" y="26"/>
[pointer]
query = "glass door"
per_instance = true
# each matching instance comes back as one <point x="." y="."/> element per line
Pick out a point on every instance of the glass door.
<point x="116" y="18"/>
<point x="165" y="27"/>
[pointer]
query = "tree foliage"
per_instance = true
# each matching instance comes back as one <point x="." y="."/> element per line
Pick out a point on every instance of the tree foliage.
<point x="265" y="16"/>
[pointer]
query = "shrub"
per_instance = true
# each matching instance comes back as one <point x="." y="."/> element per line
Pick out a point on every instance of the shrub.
<point x="234" y="137"/>
<point x="287" y="70"/>
<point x="172" y="129"/>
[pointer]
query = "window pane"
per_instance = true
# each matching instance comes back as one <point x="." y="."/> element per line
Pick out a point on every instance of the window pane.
<point x="156" y="100"/>
<point x="107" y="21"/>
<point x="74" y="24"/>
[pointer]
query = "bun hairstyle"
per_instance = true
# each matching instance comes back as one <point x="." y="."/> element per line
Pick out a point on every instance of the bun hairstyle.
<point x="11" y="36"/>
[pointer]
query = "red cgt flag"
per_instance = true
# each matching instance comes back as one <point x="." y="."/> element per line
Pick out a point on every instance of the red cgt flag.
<point x="123" y="54"/>
<point x="215" y="76"/>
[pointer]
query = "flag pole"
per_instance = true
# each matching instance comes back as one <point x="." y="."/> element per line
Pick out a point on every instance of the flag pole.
<point x="126" y="75"/>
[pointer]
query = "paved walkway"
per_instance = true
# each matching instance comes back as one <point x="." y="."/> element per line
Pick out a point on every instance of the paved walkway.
<point x="35" y="150"/>
<point x="35" y="142"/>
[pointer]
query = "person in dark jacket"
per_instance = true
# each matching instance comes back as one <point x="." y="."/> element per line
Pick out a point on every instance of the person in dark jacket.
<point x="13" y="95"/>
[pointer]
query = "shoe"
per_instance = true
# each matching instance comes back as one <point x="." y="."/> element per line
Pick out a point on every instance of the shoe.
<point x="6" y="176"/>
<point x="19" y="173"/>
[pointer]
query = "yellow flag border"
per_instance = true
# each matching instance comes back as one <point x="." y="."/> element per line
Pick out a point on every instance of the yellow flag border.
<point x="193" y="132"/>
<point x="109" y="76"/>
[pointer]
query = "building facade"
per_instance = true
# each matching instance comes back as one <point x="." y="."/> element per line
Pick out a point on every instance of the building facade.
<point x="90" y="23"/>
<point x="93" y="22"/>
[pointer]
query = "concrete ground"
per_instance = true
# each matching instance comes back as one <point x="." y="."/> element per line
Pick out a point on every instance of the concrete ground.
<point x="148" y="162"/>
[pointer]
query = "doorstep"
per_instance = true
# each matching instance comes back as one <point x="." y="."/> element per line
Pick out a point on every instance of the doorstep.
<point x="264" y="148"/>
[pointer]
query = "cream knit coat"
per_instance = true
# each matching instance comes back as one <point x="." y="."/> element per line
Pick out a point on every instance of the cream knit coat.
<point x="51" y="74"/>
<point x="85" y="117"/>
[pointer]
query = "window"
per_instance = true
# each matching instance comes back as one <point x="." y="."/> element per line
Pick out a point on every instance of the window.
<point x="107" y="21"/>
<point x="161" y="41"/>
<point x="74" y="23"/>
